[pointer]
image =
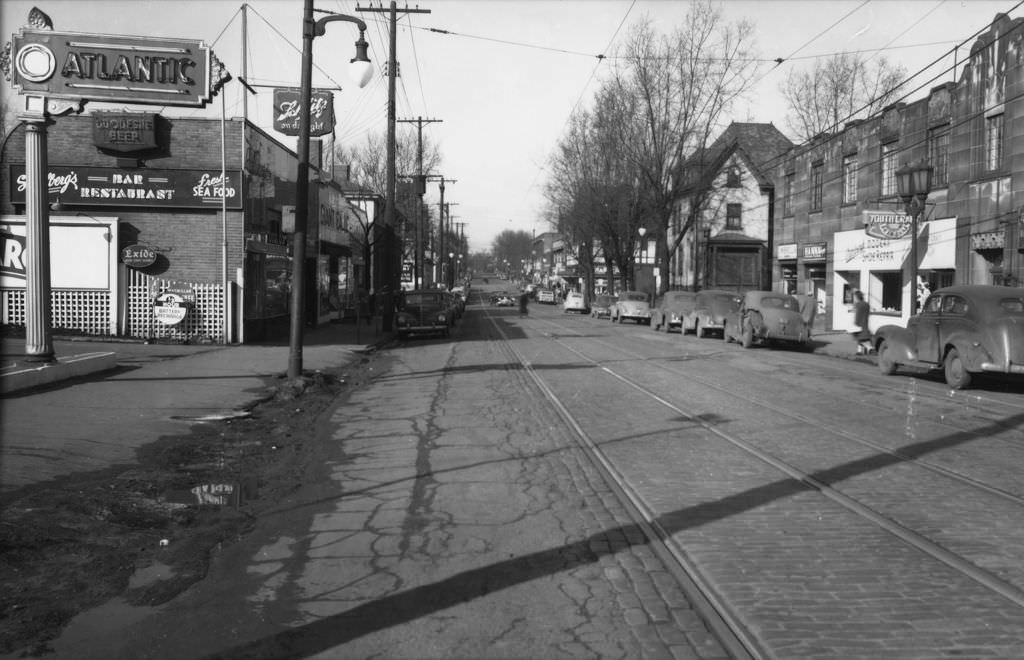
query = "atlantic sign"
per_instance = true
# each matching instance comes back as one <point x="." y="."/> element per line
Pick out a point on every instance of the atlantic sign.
<point x="101" y="67"/>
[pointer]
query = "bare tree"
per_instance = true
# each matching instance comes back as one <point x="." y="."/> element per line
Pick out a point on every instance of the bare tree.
<point x="670" y="94"/>
<point x="836" y="90"/>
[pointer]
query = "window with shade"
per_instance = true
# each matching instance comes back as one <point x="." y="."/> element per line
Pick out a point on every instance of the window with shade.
<point x="734" y="216"/>
<point x="787" y="196"/>
<point x="849" y="179"/>
<point x="938" y="155"/>
<point x="994" y="142"/>
<point x="889" y="170"/>
<point x="817" y="182"/>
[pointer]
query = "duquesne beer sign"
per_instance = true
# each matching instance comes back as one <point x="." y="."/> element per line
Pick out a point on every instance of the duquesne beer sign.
<point x="103" y="67"/>
<point x="886" y="225"/>
<point x="107" y="186"/>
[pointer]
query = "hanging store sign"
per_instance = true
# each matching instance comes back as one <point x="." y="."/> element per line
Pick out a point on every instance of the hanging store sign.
<point x="138" y="256"/>
<point x="887" y="225"/>
<point x="107" y="186"/>
<point x="288" y="107"/>
<point x="124" y="131"/>
<point x="103" y="67"/>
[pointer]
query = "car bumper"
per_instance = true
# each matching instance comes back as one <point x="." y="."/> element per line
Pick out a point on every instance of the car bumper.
<point x="1002" y="368"/>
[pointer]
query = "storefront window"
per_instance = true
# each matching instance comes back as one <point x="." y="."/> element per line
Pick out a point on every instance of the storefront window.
<point x="887" y="288"/>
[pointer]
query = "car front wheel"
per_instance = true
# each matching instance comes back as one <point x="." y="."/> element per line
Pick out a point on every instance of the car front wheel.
<point x="885" y="362"/>
<point x="725" y="333"/>
<point x="748" y="335"/>
<point x="957" y="375"/>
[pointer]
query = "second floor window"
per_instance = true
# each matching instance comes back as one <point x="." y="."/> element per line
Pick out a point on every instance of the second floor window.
<point x="732" y="179"/>
<point x="889" y="170"/>
<point x="734" y="216"/>
<point x="817" y="181"/>
<point x="938" y="155"/>
<point x="849" y="179"/>
<point x="994" y="142"/>
<point x="787" y="196"/>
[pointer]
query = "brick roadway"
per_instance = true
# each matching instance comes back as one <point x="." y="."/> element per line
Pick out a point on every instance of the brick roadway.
<point x="807" y="576"/>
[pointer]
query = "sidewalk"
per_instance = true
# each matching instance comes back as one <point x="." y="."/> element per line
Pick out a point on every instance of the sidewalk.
<point x="94" y="421"/>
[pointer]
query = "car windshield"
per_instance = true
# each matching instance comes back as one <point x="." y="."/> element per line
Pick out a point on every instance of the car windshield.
<point x="417" y="299"/>
<point x="636" y="297"/>
<point x="784" y="303"/>
<point x="1012" y="305"/>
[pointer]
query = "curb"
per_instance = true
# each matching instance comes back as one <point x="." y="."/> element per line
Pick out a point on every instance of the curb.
<point x="26" y="377"/>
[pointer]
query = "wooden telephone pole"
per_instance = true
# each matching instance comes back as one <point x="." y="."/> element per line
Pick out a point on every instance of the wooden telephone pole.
<point x="421" y="188"/>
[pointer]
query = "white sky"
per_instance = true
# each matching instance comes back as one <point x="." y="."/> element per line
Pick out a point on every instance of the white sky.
<point x="506" y="82"/>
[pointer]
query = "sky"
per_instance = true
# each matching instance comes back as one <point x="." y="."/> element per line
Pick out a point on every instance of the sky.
<point x="503" y="77"/>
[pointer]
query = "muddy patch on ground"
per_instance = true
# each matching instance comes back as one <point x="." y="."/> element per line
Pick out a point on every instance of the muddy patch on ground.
<point x="146" y="532"/>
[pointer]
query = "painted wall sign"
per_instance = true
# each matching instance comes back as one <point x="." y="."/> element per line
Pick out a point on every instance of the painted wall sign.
<point x="104" y="67"/>
<point x="107" y="186"/>
<point x="786" y="251"/>
<point x="83" y="252"/>
<point x="124" y="131"/>
<point x="137" y="256"/>
<point x="287" y="107"/>
<point x="169" y="308"/>
<point x="886" y="225"/>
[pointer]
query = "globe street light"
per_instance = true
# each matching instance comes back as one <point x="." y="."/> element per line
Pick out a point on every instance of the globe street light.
<point x="361" y="69"/>
<point x="913" y="183"/>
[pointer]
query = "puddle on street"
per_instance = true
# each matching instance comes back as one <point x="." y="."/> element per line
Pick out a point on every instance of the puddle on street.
<point x="88" y="633"/>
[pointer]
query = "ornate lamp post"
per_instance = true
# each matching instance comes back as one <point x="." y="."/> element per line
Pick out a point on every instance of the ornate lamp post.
<point x="913" y="183"/>
<point x="361" y="70"/>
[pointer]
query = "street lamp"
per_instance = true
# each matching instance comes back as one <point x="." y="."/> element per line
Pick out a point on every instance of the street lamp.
<point x="914" y="182"/>
<point x="361" y="69"/>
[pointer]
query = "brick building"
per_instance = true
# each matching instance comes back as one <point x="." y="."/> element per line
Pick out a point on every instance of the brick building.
<point x="835" y="192"/>
<point x="130" y="225"/>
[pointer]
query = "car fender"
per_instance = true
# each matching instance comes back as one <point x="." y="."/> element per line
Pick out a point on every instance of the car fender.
<point x="756" y="321"/>
<point x="971" y="351"/>
<point x="900" y="341"/>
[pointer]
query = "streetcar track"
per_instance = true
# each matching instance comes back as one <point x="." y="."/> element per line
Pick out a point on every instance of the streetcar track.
<point x="909" y="536"/>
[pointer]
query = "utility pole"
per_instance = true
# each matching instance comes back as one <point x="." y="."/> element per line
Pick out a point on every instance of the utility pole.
<point x="421" y="188"/>
<point x="388" y="263"/>
<point x="462" y="243"/>
<point x="440" y="221"/>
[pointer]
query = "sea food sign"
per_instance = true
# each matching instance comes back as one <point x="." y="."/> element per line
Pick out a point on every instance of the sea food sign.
<point x="886" y="225"/>
<point x="288" y="107"/>
<point x="102" y="67"/>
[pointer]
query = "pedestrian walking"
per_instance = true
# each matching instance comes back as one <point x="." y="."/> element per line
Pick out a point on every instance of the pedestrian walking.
<point x="524" y="301"/>
<point x="860" y="332"/>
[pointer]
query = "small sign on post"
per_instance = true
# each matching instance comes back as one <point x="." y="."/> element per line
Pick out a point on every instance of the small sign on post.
<point x="170" y="308"/>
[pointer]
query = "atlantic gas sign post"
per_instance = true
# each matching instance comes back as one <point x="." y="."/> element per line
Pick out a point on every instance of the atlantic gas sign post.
<point x="56" y="73"/>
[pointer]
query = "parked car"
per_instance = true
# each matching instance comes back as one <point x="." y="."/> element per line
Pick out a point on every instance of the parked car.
<point x="963" y="330"/>
<point x="503" y="299"/>
<point x="709" y="311"/>
<point x="632" y="305"/>
<point x="766" y="317"/>
<point x="670" y="308"/>
<point x="425" y="311"/>
<point x="546" y="296"/>
<point x="575" y="302"/>
<point x="602" y="305"/>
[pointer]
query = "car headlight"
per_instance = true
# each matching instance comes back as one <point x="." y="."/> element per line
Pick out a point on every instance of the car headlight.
<point x="442" y="318"/>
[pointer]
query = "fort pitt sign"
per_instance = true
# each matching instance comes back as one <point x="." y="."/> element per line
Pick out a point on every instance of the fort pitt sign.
<point x="101" y="67"/>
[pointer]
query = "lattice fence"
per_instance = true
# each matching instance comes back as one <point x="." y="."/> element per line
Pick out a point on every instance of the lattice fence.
<point x="84" y="311"/>
<point x="205" y="318"/>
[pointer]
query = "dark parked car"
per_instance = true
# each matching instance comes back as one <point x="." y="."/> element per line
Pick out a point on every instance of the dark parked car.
<point x="710" y="310"/>
<point x="602" y="305"/>
<point x="767" y="317"/>
<point x="962" y="330"/>
<point x="668" y="312"/>
<point x="425" y="311"/>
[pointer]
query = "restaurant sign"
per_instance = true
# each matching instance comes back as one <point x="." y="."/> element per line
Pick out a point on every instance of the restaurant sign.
<point x="288" y="107"/>
<point x="103" y="67"/>
<point x="886" y="225"/>
<point x="108" y="186"/>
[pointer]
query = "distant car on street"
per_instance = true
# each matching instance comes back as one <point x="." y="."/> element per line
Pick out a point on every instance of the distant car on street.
<point x="709" y="311"/>
<point x="963" y="330"/>
<point x="546" y="296"/>
<point x="766" y="317"/>
<point x="633" y="305"/>
<point x="668" y="312"/>
<point x="428" y="311"/>
<point x="575" y="302"/>
<point x="602" y="305"/>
